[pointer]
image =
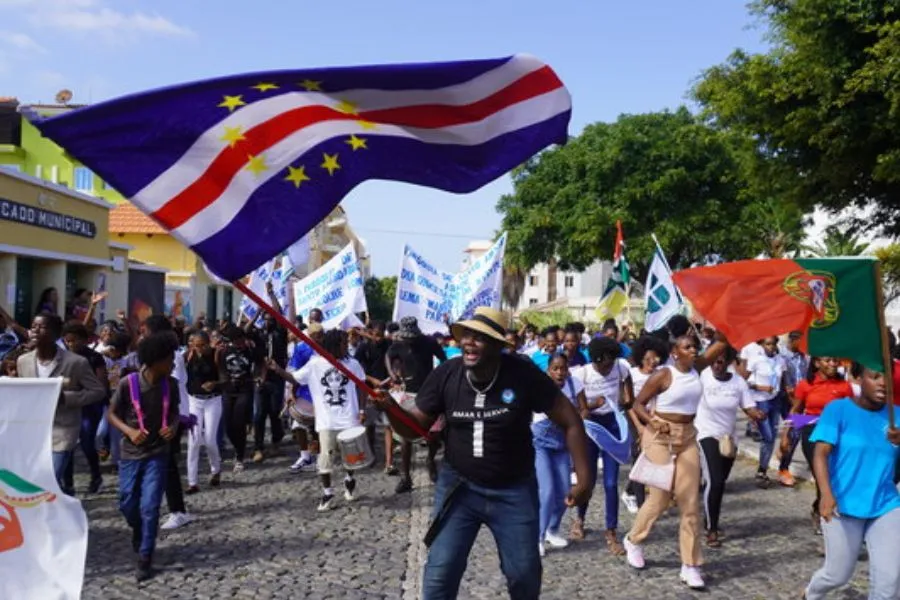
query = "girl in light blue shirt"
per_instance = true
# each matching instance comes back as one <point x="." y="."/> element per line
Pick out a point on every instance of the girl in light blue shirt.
<point x="855" y="453"/>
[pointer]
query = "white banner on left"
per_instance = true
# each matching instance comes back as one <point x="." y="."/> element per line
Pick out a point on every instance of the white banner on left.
<point x="336" y="288"/>
<point x="43" y="532"/>
<point x="277" y="271"/>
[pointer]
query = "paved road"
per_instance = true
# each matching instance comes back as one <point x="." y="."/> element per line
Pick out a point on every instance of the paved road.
<point x="259" y="536"/>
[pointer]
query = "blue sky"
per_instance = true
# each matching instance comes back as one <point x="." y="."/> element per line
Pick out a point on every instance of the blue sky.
<point x="615" y="57"/>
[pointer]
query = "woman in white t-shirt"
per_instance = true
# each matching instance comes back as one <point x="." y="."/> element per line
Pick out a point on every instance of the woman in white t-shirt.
<point x="607" y="385"/>
<point x="716" y="422"/>
<point x="551" y="458"/>
<point x="766" y="376"/>
<point x="337" y="404"/>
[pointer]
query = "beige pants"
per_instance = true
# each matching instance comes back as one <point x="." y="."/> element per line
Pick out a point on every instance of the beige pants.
<point x="686" y="488"/>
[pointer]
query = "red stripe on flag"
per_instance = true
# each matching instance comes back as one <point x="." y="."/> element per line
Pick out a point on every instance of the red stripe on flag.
<point x="213" y="182"/>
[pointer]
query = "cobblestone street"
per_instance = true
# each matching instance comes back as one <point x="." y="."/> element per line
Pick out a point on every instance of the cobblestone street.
<point x="259" y="536"/>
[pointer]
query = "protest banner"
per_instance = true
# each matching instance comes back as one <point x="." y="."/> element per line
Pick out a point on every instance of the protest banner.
<point x="336" y="288"/>
<point x="434" y="296"/>
<point x="43" y="532"/>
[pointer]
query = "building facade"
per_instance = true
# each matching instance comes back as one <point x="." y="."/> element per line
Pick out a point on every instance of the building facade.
<point x="52" y="237"/>
<point x="547" y="287"/>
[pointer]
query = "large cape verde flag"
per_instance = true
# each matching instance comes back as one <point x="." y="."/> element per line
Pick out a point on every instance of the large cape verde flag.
<point x="239" y="168"/>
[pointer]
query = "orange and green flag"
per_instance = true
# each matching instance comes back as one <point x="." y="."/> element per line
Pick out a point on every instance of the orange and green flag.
<point x="834" y="301"/>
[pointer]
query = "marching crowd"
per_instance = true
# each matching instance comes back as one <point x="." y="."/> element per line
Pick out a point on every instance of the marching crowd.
<point x="664" y="404"/>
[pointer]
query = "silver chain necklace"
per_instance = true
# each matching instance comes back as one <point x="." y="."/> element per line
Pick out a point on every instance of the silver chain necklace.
<point x="480" y="395"/>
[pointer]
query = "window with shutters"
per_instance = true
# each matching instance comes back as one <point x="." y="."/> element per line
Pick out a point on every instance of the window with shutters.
<point x="84" y="179"/>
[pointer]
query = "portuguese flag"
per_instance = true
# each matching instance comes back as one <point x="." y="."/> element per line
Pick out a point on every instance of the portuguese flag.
<point x="834" y="301"/>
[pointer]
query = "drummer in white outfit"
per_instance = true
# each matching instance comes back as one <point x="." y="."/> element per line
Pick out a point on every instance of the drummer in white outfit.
<point x="338" y="406"/>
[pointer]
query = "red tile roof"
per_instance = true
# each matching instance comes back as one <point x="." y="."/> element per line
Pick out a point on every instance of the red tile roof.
<point x="127" y="218"/>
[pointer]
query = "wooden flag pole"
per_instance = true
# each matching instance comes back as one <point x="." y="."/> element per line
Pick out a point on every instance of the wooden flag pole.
<point x="885" y="346"/>
<point x="393" y="408"/>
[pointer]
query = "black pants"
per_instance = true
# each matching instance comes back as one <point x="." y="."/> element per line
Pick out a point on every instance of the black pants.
<point x="716" y="469"/>
<point x="174" y="493"/>
<point x="808" y="450"/>
<point x="633" y="488"/>
<point x="269" y="399"/>
<point x="236" y="410"/>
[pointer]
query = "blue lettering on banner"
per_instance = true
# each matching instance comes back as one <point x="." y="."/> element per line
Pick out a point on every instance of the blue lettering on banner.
<point x="407" y="275"/>
<point x="335" y="311"/>
<point x="410" y="297"/>
<point x="333" y="295"/>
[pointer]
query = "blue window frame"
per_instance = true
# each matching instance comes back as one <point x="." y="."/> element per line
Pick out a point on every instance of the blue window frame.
<point x="84" y="179"/>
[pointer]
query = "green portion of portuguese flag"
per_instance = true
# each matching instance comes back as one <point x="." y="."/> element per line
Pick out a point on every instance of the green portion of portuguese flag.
<point x="848" y="324"/>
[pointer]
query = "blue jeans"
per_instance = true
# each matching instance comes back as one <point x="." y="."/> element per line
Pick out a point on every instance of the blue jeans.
<point x="511" y="513"/>
<point x="110" y="438"/>
<point x="768" y="429"/>
<point x="844" y="537"/>
<point x="142" y="484"/>
<point x="553" y="468"/>
<point x="610" y="472"/>
<point x="61" y="461"/>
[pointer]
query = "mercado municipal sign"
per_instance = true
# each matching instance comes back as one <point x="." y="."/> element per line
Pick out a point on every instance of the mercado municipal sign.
<point x="46" y="219"/>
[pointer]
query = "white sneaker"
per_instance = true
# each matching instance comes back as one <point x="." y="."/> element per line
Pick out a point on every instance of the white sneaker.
<point x="541" y="549"/>
<point x="554" y="540"/>
<point x="325" y="503"/>
<point x="634" y="554"/>
<point x="176" y="520"/>
<point x="302" y="464"/>
<point x="630" y="503"/>
<point x="691" y="577"/>
<point x="238" y="467"/>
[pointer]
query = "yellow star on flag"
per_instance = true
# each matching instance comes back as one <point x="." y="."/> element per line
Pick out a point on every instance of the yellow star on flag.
<point x="297" y="176"/>
<point x="311" y="86"/>
<point x="232" y="102"/>
<point x="356" y="143"/>
<point x="265" y="87"/>
<point x="330" y="163"/>
<point x="367" y="125"/>
<point x="345" y="106"/>
<point x="233" y="135"/>
<point x="256" y="164"/>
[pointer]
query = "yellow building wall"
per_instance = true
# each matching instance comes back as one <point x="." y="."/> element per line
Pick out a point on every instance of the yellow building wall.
<point x="29" y="236"/>
<point x="160" y="250"/>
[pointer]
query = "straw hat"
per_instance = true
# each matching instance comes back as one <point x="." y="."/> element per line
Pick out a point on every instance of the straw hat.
<point x="487" y="321"/>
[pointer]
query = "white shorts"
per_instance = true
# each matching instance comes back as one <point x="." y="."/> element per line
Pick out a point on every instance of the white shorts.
<point x="329" y="451"/>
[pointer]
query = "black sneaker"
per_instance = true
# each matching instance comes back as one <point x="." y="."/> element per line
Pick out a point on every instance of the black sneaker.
<point x="325" y="503"/>
<point x="762" y="480"/>
<point x="144" y="570"/>
<point x="403" y="486"/>
<point x="96" y="484"/>
<point x="349" y="486"/>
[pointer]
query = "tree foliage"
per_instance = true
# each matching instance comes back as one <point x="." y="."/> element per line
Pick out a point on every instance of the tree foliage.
<point x="890" y="271"/>
<point x="823" y="104"/>
<point x="664" y="173"/>
<point x="380" y="296"/>
<point x="839" y="241"/>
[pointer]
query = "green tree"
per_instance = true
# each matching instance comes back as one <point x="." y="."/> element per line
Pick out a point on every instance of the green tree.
<point x="779" y="227"/>
<point x="839" y="241"/>
<point x="889" y="256"/>
<point x="664" y="173"/>
<point x="380" y="296"/>
<point x="823" y="104"/>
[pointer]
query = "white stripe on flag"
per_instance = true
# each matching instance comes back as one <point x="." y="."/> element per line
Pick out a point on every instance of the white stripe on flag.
<point x="225" y="208"/>
<point x="198" y="158"/>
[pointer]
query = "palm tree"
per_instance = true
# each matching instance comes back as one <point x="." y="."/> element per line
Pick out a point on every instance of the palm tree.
<point x="513" y="285"/>
<point x="779" y="226"/>
<point x="839" y="241"/>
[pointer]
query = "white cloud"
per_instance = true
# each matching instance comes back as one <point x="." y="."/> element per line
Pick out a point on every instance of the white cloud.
<point x="21" y="41"/>
<point x="111" y="22"/>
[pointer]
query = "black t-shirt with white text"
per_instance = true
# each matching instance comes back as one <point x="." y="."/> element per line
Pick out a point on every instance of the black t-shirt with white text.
<point x="489" y="445"/>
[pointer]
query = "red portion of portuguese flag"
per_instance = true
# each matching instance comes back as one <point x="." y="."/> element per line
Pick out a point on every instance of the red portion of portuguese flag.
<point x="746" y="300"/>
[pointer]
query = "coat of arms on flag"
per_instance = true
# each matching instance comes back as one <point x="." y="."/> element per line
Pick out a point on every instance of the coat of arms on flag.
<point x="239" y="168"/>
<point x="43" y="533"/>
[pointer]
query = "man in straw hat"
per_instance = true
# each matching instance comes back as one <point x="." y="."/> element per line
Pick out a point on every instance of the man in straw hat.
<point x="487" y="398"/>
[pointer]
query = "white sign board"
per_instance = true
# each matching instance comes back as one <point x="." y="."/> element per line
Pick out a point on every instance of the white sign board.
<point x="430" y="295"/>
<point x="43" y="532"/>
<point x="336" y="288"/>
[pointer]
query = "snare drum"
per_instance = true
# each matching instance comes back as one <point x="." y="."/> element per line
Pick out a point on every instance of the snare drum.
<point x="302" y="412"/>
<point x="356" y="453"/>
<point x="407" y="402"/>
